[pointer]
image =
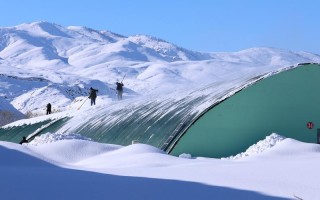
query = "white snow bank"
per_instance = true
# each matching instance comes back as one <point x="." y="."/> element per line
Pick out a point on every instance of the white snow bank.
<point x="53" y="137"/>
<point x="291" y="148"/>
<point x="260" y="146"/>
<point x="277" y="146"/>
<point x="79" y="150"/>
<point x="71" y="149"/>
<point x="136" y="155"/>
<point x="14" y="156"/>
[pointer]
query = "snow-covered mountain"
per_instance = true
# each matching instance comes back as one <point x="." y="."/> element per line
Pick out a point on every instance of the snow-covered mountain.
<point x="80" y="46"/>
<point x="44" y="62"/>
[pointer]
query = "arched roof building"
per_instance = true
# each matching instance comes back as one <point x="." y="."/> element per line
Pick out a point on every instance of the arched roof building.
<point x="213" y="121"/>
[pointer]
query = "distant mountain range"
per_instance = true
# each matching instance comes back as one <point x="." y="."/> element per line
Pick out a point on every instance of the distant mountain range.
<point x="80" y="46"/>
<point x="44" y="62"/>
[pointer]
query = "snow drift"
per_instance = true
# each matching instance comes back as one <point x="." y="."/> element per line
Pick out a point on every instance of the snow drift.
<point x="143" y="171"/>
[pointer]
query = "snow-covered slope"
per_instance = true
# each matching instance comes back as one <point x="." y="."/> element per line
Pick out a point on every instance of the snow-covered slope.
<point x="33" y="93"/>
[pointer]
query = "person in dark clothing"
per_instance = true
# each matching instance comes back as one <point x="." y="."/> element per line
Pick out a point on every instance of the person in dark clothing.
<point x="93" y="96"/>
<point x="48" y="108"/>
<point x="119" y="90"/>
<point x="24" y="140"/>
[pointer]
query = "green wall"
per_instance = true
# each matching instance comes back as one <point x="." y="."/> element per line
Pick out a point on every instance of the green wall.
<point x="15" y="134"/>
<point x="282" y="103"/>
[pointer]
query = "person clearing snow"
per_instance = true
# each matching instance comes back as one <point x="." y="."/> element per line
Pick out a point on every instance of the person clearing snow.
<point x="119" y="90"/>
<point x="24" y="140"/>
<point x="48" y="108"/>
<point x="93" y="96"/>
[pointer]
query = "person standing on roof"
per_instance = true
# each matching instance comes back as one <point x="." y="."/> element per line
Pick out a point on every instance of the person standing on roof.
<point x="93" y="96"/>
<point x="48" y="108"/>
<point x="119" y="90"/>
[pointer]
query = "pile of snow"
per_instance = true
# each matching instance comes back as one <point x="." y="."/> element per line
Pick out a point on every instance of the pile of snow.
<point x="54" y="137"/>
<point x="70" y="150"/>
<point x="185" y="155"/>
<point x="269" y="142"/>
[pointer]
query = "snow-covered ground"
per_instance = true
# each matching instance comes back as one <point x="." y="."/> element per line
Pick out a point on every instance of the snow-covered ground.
<point x="43" y="62"/>
<point x="76" y="168"/>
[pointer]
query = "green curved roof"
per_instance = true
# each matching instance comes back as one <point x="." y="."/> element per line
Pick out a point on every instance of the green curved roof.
<point x="283" y="103"/>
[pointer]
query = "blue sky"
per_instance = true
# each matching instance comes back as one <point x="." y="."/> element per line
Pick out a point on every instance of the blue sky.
<point x="201" y="25"/>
